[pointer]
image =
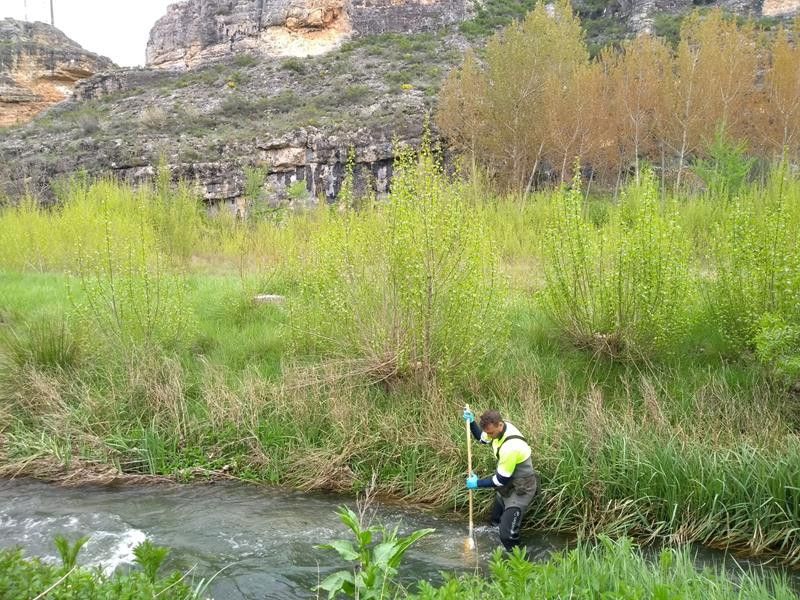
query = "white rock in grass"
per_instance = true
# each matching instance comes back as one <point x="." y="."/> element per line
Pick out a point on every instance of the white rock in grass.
<point x="269" y="299"/>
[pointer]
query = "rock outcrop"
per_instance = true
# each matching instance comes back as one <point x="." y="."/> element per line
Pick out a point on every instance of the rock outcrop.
<point x="780" y="8"/>
<point x="295" y="120"/>
<point x="39" y="67"/>
<point x="224" y="102"/>
<point x="639" y="15"/>
<point x="196" y="31"/>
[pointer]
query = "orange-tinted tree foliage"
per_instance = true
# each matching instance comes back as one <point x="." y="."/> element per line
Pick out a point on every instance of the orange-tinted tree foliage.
<point x="535" y="103"/>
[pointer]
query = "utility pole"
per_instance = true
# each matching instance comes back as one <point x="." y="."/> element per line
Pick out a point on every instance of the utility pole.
<point x="52" y="21"/>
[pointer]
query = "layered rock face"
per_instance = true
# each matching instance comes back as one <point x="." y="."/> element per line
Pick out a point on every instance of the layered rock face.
<point x="295" y="120"/>
<point x="39" y="66"/>
<point x="780" y="8"/>
<point x="195" y="31"/>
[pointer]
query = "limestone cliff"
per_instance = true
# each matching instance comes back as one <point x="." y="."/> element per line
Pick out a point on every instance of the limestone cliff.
<point x="780" y="8"/>
<point x="195" y="31"/>
<point x="39" y="66"/>
<point x="296" y="119"/>
<point x="241" y="99"/>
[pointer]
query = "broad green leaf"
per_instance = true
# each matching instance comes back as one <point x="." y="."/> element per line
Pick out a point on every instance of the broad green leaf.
<point x="341" y="581"/>
<point x="343" y="547"/>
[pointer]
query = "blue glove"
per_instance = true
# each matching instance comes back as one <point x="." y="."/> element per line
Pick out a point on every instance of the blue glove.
<point x="468" y="415"/>
<point x="472" y="482"/>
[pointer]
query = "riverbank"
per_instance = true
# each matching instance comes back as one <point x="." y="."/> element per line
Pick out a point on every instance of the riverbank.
<point x="131" y="339"/>
<point x="236" y="541"/>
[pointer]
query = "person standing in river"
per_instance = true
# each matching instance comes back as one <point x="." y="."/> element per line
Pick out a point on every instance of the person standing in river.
<point x="515" y="482"/>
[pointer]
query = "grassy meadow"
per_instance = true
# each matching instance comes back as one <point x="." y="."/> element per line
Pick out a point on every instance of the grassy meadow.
<point x="648" y="345"/>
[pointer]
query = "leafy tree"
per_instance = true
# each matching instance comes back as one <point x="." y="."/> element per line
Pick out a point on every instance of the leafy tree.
<point x="635" y="84"/>
<point x="521" y="63"/>
<point x="780" y="124"/>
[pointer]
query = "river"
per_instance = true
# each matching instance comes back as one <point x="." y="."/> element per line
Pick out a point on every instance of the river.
<point x="257" y="542"/>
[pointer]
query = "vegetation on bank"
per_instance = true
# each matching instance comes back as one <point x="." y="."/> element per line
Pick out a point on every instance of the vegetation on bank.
<point x="22" y="577"/>
<point x="647" y="347"/>
<point x="606" y="568"/>
<point x="610" y="569"/>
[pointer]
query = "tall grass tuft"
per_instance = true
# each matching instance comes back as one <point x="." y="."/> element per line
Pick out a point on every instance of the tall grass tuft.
<point x="47" y="344"/>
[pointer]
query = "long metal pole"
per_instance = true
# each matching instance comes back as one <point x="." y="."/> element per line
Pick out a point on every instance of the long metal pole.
<point x="52" y="20"/>
<point x="470" y="541"/>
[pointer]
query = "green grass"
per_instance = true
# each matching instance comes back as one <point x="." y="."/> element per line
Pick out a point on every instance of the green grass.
<point x="612" y="570"/>
<point x="696" y="443"/>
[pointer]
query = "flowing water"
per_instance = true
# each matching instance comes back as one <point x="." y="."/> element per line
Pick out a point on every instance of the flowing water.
<point x="256" y="542"/>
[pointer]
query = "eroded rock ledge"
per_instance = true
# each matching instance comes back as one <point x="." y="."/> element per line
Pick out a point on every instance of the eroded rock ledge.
<point x="39" y="67"/>
<point x="196" y="31"/>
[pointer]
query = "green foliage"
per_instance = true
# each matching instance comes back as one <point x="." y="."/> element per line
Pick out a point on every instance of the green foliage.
<point x="422" y="275"/>
<point x="694" y="445"/>
<point x="254" y="178"/>
<point x="777" y="346"/>
<point x="245" y="60"/>
<point x="494" y="14"/>
<point x="127" y="295"/>
<point x="297" y="190"/>
<point x="21" y="577"/>
<point x="353" y="94"/>
<point x="758" y="263"/>
<point x="611" y="570"/>
<point x="69" y="552"/>
<point x="283" y="102"/>
<point x="48" y="344"/>
<point x="174" y="214"/>
<point x="150" y="557"/>
<point x="622" y="290"/>
<point x="668" y="26"/>
<point x="349" y="195"/>
<point x="727" y="167"/>
<point x="294" y="64"/>
<point x="377" y="552"/>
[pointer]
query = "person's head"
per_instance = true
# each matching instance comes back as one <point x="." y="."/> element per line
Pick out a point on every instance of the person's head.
<point x="492" y="423"/>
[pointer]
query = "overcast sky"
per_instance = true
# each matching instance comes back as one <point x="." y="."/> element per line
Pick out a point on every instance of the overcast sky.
<point x="116" y="29"/>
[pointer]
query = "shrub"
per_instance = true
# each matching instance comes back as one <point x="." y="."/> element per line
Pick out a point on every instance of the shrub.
<point x="777" y="345"/>
<point x="127" y="297"/>
<point x="622" y="290"/>
<point x="89" y="122"/>
<point x="153" y="117"/>
<point x="727" y="167"/>
<point x="245" y="60"/>
<point x="254" y="179"/>
<point x="757" y="260"/>
<point x="295" y="65"/>
<point x="297" y="190"/>
<point x="413" y="289"/>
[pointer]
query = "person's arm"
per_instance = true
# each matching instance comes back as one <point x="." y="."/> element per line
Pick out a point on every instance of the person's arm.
<point x="477" y="433"/>
<point x="504" y="472"/>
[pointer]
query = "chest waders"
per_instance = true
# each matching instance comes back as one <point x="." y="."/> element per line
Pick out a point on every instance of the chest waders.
<point x="512" y="500"/>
